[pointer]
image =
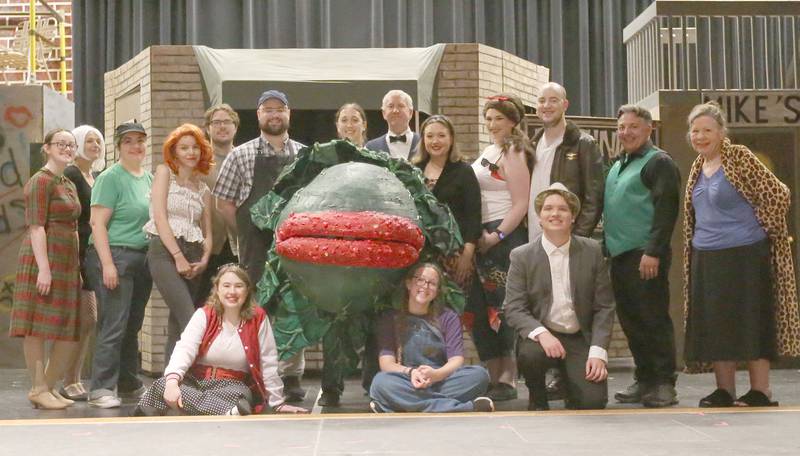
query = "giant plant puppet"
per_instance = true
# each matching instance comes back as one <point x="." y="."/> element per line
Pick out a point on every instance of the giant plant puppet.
<point x="348" y="224"/>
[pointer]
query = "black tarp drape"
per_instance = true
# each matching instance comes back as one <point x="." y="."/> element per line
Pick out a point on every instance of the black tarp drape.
<point x="579" y="40"/>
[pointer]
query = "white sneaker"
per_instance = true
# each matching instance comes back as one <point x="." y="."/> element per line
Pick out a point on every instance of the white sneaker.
<point x="375" y="407"/>
<point x="105" y="402"/>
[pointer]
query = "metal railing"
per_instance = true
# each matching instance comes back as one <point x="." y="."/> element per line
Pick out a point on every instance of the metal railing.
<point x="39" y="34"/>
<point x="713" y="45"/>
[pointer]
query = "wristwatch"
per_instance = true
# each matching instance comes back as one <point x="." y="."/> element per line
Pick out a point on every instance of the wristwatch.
<point x="500" y="234"/>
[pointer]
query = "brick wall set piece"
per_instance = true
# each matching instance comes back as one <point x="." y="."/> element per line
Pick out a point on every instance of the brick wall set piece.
<point x="168" y="81"/>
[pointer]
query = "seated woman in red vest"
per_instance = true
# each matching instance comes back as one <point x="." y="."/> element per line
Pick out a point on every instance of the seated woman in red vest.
<point x="226" y="362"/>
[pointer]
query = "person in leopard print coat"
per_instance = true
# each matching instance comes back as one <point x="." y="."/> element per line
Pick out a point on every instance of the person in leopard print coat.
<point x="740" y="294"/>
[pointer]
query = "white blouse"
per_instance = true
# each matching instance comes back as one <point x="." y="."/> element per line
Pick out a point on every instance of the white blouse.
<point x="495" y="196"/>
<point x="184" y="211"/>
<point x="227" y="351"/>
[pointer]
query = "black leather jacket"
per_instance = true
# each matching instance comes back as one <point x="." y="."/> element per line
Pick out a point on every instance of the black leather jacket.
<point x="578" y="164"/>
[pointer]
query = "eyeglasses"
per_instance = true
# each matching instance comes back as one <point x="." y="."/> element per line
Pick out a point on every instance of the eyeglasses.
<point x="63" y="145"/>
<point x="487" y="164"/>
<point x="423" y="283"/>
<point x="498" y="98"/>
<point x="219" y="123"/>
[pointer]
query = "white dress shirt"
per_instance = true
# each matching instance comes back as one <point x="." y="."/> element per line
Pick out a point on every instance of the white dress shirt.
<point x="227" y="351"/>
<point x="400" y="149"/>
<point x="562" y="317"/>
<point x="540" y="180"/>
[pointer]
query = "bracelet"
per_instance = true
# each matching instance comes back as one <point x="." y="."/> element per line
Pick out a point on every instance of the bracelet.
<point x="500" y="234"/>
<point x="171" y="376"/>
<point x="176" y="253"/>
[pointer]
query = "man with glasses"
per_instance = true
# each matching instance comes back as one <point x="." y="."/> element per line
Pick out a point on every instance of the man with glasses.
<point x="221" y="123"/>
<point x="399" y="142"/>
<point x="247" y="174"/>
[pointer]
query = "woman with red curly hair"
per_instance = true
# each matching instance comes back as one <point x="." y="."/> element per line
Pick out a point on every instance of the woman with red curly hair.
<point x="180" y="225"/>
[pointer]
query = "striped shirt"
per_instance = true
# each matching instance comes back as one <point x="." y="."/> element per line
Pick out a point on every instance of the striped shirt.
<point x="236" y="175"/>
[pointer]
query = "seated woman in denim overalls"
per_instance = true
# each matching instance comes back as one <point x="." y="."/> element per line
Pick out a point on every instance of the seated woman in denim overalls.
<point x="426" y="338"/>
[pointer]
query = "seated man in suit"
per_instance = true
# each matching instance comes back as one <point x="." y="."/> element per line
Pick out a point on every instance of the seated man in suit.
<point x="400" y="142"/>
<point x="560" y="302"/>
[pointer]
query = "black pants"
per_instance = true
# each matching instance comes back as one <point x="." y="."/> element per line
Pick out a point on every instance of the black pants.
<point x="643" y="311"/>
<point x="333" y="380"/>
<point x="533" y="363"/>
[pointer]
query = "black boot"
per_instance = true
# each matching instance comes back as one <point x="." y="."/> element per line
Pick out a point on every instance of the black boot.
<point x="292" y="389"/>
<point x="329" y="398"/>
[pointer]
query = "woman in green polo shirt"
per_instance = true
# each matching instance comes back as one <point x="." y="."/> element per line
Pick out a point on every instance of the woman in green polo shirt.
<point x="117" y="268"/>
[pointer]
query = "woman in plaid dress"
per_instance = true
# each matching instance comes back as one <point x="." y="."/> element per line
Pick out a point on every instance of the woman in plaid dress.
<point x="46" y="294"/>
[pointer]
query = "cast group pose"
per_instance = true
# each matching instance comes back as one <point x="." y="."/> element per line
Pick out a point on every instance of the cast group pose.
<point x="541" y="293"/>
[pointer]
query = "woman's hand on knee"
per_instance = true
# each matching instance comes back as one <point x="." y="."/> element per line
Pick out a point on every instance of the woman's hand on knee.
<point x="172" y="394"/>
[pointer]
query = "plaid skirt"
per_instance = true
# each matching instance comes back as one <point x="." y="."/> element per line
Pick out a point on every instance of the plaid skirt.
<point x="200" y="397"/>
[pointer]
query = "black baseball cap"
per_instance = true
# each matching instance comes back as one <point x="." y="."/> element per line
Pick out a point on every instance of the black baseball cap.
<point x="129" y="127"/>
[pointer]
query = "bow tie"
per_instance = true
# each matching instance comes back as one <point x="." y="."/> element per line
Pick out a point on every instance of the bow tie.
<point x="400" y="138"/>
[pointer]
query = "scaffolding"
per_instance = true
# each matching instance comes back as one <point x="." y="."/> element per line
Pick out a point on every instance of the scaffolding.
<point x="37" y="41"/>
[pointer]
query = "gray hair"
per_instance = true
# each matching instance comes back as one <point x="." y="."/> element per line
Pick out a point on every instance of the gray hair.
<point x="636" y="110"/>
<point x="710" y="109"/>
<point x="397" y="92"/>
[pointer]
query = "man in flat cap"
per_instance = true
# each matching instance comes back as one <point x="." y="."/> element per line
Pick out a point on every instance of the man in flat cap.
<point x="560" y="302"/>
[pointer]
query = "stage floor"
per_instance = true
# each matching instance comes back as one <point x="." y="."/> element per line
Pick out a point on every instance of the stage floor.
<point x="350" y="429"/>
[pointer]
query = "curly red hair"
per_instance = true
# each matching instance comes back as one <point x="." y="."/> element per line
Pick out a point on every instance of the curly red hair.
<point x="206" y="153"/>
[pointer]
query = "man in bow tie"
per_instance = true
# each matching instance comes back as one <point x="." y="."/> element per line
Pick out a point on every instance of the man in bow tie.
<point x="400" y="141"/>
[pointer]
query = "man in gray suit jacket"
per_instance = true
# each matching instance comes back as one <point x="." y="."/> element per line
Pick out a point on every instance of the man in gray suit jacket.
<point x="400" y="142"/>
<point x="560" y="302"/>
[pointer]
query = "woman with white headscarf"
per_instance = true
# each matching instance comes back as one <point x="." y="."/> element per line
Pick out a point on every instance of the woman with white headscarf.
<point x="89" y="161"/>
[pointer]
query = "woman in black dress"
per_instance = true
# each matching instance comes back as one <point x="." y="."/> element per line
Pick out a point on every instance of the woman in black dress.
<point x="89" y="161"/>
<point x="453" y="182"/>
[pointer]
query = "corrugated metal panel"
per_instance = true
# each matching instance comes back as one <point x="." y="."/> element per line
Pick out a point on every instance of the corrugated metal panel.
<point x="580" y="40"/>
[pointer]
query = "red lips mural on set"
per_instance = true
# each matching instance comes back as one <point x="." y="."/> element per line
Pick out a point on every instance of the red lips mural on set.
<point x="361" y="239"/>
<point x="18" y="116"/>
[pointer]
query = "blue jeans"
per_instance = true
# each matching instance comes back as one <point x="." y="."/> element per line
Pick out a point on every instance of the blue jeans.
<point x="394" y="392"/>
<point x="120" y="313"/>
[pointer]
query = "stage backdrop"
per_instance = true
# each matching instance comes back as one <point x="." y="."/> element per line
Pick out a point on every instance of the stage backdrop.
<point x="579" y="40"/>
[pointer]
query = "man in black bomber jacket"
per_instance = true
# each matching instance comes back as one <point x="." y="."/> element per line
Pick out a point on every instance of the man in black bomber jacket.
<point x="568" y="155"/>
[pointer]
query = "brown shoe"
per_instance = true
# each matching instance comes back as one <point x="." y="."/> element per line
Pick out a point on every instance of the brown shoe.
<point x="45" y="400"/>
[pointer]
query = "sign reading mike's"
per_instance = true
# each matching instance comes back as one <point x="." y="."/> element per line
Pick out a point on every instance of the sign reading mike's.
<point x="754" y="108"/>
